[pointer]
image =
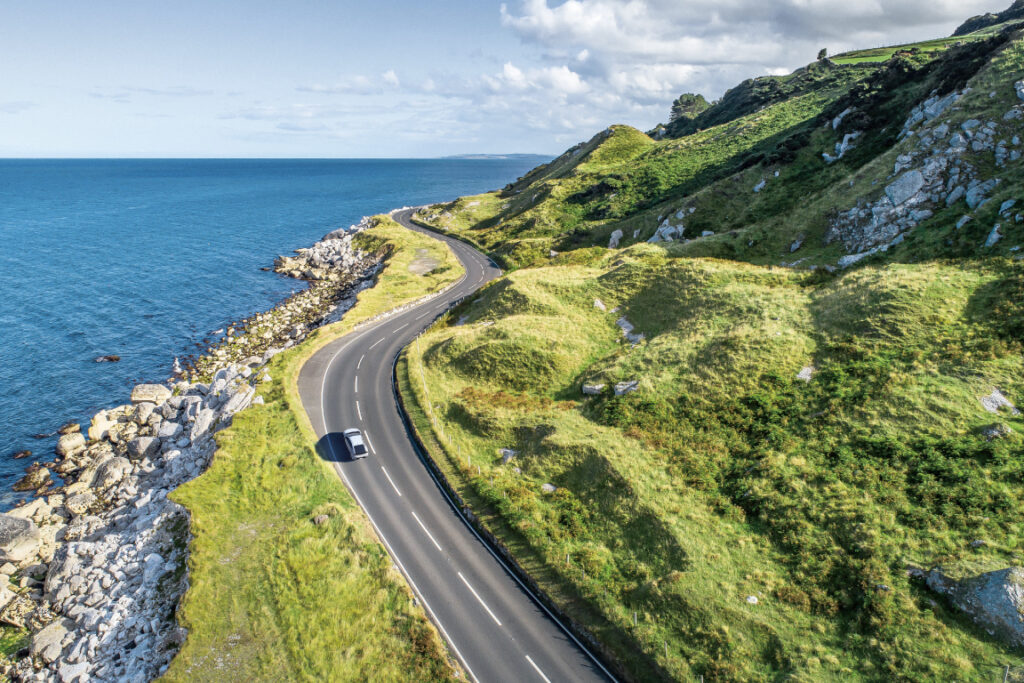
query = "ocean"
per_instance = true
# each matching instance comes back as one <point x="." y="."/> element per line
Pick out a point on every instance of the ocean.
<point x="144" y="258"/>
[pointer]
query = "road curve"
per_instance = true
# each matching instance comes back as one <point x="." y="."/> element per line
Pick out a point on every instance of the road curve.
<point x="494" y="626"/>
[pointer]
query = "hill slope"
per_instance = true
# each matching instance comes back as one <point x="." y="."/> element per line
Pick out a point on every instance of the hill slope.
<point x="745" y="407"/>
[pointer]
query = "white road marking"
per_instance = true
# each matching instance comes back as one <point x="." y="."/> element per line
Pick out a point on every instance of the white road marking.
<point x="360" y="363"/>
<point x="368" y="442"/>
<point x="537" y="669"/>
<point x="436" y="544"/>
<point x="391" y="480"/>
<point x="423" y="315"/>
<point x="402" y="327"/>
<point x="479" y="599"/>
<point x="359" y="412"/>
<point x="357" y="384"/>
<point x="377" y="342"/>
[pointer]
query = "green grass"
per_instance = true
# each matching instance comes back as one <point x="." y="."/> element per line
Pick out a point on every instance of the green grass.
<point x="724" y="476"/>
<point x="272" y="596"/>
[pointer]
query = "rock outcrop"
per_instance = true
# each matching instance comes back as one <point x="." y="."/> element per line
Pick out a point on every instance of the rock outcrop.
<point x="995" y="600"/>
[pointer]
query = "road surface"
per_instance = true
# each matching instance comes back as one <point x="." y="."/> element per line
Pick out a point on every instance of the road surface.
<point x="494" y="626"/>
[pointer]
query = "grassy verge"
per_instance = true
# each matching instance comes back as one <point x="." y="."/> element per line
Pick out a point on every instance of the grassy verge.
<point x="272" y="596"/>
<point x="729" y="520"/>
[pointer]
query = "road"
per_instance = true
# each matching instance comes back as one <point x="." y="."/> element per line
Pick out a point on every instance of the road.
<point x="494" y="626"/>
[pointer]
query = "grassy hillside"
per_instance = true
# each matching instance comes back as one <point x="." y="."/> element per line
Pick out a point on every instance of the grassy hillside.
<point x="724" y="476"/>
<point x="807" y="424"/>
<point x="705" y="181"/>
<point x="272" y="596"/>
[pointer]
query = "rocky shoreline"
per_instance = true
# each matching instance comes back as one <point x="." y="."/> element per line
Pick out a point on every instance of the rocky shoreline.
<point x="96" y="567"/>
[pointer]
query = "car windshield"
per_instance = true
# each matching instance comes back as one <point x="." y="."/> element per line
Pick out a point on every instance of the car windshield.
<point x="360" y="448"/>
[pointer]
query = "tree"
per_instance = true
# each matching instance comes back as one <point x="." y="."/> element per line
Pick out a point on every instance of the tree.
<point x="687" y="106"/>
<point x="823" y="55"/>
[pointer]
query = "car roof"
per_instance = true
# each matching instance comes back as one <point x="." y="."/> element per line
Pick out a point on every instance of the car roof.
<point x="350" y="432"/>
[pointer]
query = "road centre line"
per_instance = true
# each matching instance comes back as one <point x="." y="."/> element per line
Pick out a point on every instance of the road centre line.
<point x="537" y="669"/>
<point x="377" y="342"/>
<point x="479" y="599"/>
<point x="436" y="544"/>
<point x="357" y="384"/>
<point x="402" y="327"/>
<point x="360" y="363"/>
<point x="359" y="412"/>
<point x="391" y="480"/>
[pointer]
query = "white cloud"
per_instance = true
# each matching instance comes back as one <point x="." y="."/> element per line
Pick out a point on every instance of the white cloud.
<point x="390" y="78"/>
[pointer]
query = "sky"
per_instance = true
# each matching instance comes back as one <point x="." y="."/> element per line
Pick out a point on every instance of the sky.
<point x="400" y="78"/>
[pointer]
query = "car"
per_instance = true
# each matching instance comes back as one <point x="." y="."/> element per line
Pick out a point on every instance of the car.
<point x="354" y="442"/>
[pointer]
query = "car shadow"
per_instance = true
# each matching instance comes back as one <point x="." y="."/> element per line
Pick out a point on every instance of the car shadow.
<point x="331" y="447"/>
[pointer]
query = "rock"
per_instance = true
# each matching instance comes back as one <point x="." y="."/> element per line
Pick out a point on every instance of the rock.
<point x="993" y="237"/>
<point x="169" y="430"/>
<point x="995" y="431"/>
<point x="627" y="331"/>
<point x="995" y="402"/>
<point x="46" y="644"/>
<point x="905" y="187"/>
<point x="204" y="420"/>
<point x="80" y="503"/>
<point x="74" y="673"/>
<point x="152" y="393"/>
<point x="799" y="242"/>
<point x="17" y="611"/>
<point x="994" y="600"/>
<point x="6" y="595"/>
<point x="548" y="488"/>
<point x="111" y="472"/>
<point x="144" y="447"/>
<point x="320" y="520"/>
<point x="806" y="373"/>
<point x="752" y="599"/>
<point x="623" y="388"/>
<point x="708" y="233"/>
<point x="19" y="539"/>
<point x="107" y="359"/>
<point x="36" y="478"/>
<point x="978" y="194"/>
<point x="69" y="428"/>
<point x="593" y="389"/>
<point x="849" y="260"/>
<point x="956" y="195"/>
<point x="1019" y="87"/>
<point x="70" y="443"/>
<point x="1005" y="207"/>
<point x="964" y="220"/>
<point x="144" y="411"/>
<point x="760" y="186"/>
<point x="507" y="454"/>
<point x="616" y="237"/>
<point x="599" y="305"/>
<point x="19" y="455"/>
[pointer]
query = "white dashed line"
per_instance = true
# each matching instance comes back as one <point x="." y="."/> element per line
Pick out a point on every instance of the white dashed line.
<point x="402" y="327"/>
<point x="377" y="342"/>
<point x="359" y="412"/>
<point x="436" y="544"/>
<point x="537" y="669"/>
<point x="360" y="363"/>
<point x="357" y="384"/>
<point x="391" y="480"/>
<point x="479" y="599"/>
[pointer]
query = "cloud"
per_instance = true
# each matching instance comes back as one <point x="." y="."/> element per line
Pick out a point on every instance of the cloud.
<point x="16" y="106"/>
<point x="124" y="94"/>
<point x="356" y="85"/>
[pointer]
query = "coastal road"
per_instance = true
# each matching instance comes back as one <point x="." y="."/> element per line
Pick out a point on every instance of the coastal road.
<point x="491" y="622"/>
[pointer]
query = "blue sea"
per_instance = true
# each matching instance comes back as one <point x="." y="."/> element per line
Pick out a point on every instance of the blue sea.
<point x="144" y="258"/>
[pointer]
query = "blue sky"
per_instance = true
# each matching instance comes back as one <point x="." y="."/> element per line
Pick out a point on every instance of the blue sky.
<point x="398" y="79"/>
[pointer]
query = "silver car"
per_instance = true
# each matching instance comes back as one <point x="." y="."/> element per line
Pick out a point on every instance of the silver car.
<point x="354" y="442"/>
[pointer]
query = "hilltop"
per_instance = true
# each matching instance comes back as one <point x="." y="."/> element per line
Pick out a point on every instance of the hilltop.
<point x="745" y="404"/>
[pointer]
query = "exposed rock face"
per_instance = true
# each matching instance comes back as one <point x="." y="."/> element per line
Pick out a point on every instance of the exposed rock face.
<point x="593" y="389"/>
<point x="19" y="539"/>
<point x="616" y="237"/>
<point x="70" y="443"/>
<point x="333" y="257"/>
<point x="623" y="388"/>
<point x="905" y="187"/>
<point x="150" y="393"/>
<point x="994" y="600"/>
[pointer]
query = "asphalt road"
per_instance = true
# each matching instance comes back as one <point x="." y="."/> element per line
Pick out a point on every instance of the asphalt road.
<point x="495" y="627"/>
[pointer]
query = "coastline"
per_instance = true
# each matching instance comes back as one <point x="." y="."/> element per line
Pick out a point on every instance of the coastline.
<point x="100" y="562"/>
